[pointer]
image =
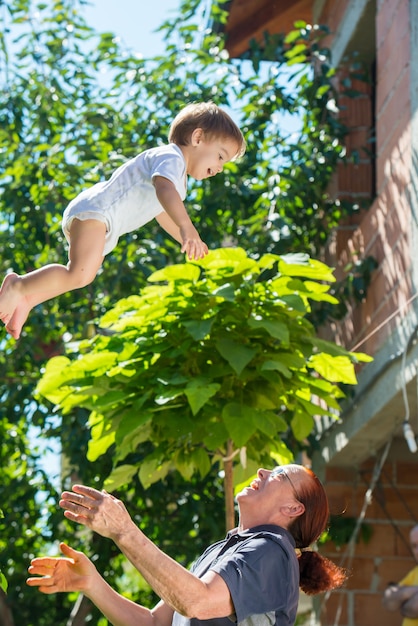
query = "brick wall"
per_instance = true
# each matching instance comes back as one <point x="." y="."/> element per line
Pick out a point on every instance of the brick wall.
<point x="332" y="13"/>
<point x="386" y="557"/>
<point x="382" y="231"/>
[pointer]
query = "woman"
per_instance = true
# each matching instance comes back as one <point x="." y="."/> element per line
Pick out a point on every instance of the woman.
<point x="252" y="574"/>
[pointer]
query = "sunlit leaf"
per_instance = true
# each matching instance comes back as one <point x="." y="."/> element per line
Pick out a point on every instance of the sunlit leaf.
<point x="121" y="475"/>
<point x="334" y="368"/>
<point x="152" y="470"/>
<point x="3" y="582"/>
<point x="185" y="271"/>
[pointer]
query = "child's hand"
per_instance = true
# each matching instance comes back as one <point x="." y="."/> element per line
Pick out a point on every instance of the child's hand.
<point x="193" y="246"/>
<point x="195" y="249"/>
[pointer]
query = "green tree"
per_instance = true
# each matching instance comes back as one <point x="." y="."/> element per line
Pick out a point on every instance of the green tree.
<point x="212" y="359"/>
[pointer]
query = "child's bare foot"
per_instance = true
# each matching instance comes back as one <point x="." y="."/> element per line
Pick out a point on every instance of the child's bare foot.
<point x="19" y="317"/>
<point x="9" y="297"/>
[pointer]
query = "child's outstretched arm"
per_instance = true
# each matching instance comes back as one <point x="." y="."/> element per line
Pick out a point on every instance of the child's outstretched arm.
<point x="75" y="572"/>
<point x="169" y="226"/>
<point x="180" y="227"/>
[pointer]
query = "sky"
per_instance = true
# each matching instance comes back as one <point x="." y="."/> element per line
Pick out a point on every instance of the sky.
<point x="131" y="22"/>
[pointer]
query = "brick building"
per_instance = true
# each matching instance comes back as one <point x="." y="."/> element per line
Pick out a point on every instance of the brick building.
<point x="368" y="467"/>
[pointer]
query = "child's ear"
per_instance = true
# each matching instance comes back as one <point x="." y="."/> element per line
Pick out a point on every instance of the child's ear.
<point x="197" y="136"/>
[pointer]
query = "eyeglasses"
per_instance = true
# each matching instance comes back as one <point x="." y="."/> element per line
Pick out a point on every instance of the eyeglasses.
<point x="279" y="471"/>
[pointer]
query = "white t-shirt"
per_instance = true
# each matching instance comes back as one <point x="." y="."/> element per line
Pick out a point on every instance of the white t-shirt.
<point x="128" y="200"/>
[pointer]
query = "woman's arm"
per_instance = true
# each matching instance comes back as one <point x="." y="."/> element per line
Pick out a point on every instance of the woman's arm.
<point x="75" y="572"/>
<point x="203" y="598"/>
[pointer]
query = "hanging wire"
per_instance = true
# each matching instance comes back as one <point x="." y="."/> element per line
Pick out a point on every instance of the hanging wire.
<point x="348" y="555"/>
<point x="386" y="512"/>
<point x="385" y="321"/>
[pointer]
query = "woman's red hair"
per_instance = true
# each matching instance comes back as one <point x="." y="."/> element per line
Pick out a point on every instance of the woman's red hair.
<point x="317" y="573"/>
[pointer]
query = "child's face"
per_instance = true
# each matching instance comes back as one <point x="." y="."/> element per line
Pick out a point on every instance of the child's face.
<point x="206" y="158"/>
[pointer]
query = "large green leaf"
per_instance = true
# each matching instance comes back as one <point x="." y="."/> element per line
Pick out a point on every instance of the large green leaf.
<point x="270" y="423"/>
<point x="228" y="262"/>
<point x="302" y="265"/>
<point x="275" y="328"/>
<point x="185" y="271"/>
<point x="121" y="475"/>
<point x="302" y="425"/>
<point x="52" y="378"/>
<point x="103" y="434"/>
<point x="278" y="366"/>
<point x="240" y="421"/>
<point x="201" y="461"/>
<point x="334" y="368"/>
<point x="237" y="355"/>
<point x="199" y="329"/>
<point x="152" y="470"/>
<point x="199" y="391"/>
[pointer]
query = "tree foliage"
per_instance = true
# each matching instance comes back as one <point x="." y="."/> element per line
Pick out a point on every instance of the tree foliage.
<point x="74" y="104"/>
<point x="211" y="352"/>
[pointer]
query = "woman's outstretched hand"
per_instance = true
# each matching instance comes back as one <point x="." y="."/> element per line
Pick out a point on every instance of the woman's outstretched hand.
<point x="98" y="510"/>
<point x="72" y="572"/>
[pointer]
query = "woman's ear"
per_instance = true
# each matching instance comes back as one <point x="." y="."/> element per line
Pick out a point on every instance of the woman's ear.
<point x="294" y="509"/>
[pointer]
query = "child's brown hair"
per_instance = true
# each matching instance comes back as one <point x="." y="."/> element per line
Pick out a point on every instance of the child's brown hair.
<point x="211" y="119"/>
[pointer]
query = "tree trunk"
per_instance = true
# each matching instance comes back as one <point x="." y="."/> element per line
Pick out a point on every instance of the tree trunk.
<point x="80" y="611"/>
<point x="229" y="487"/>
<point x="6" y="617"/>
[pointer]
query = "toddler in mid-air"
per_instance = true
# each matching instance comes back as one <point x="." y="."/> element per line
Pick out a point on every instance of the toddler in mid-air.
<point x="153" y="184"/>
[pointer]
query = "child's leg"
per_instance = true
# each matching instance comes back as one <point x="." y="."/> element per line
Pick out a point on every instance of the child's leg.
<point x="19" y="294"/>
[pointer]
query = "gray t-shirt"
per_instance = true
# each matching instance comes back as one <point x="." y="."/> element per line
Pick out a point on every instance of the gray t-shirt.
<point x="261" y="570"/>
